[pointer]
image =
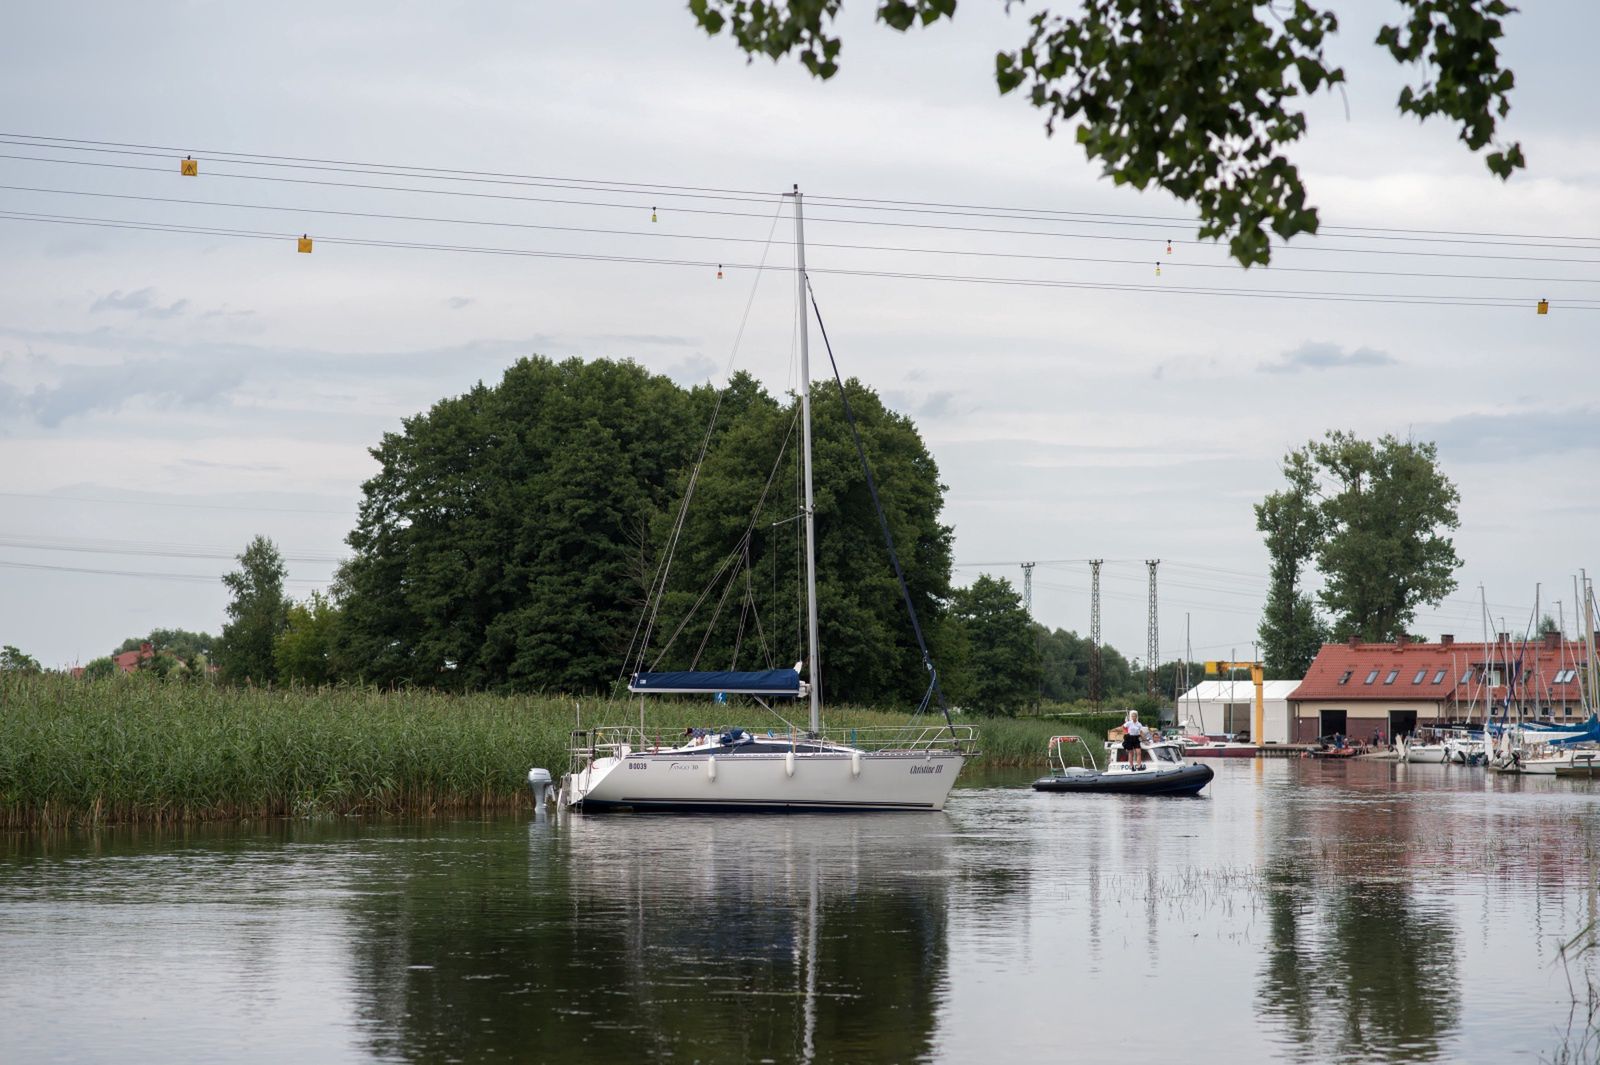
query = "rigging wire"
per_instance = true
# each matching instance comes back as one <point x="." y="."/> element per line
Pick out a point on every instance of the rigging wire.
<point x="877" y="505"/>
<point x="658" y="585"/>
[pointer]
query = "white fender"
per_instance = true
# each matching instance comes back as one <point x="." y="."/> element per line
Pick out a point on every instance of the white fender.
<point x="855" y="763"/>
<point x="711" y="767"/>
<point x="788" y="764"/>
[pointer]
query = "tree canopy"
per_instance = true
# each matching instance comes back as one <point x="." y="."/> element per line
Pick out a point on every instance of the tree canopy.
<point x="1002" y="647"/>
<point x="1291" y="630"/>
<point x="257" y="614"/>
<point x="1199" y="99"/>
<point x="1374" y="515"/>
<point x="15" y="660"/>
<point x="515" y="535"/>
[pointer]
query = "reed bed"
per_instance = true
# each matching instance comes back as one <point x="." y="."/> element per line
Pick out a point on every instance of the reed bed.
<point x="133" y="749"/>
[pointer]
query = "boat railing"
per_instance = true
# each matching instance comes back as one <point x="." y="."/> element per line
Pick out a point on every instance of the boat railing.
<point x="961" y="739"/>
<point x="608" y="740"/>
<point x="1058" y="753"/>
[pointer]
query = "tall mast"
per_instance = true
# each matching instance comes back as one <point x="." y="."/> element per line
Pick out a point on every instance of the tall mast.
<point x="813" y="655"/>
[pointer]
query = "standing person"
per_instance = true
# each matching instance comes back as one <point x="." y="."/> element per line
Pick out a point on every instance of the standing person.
<point x="1133" y="735"/>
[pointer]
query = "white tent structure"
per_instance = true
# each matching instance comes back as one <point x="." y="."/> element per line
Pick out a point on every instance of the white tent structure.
<point x="1226" y="707"/>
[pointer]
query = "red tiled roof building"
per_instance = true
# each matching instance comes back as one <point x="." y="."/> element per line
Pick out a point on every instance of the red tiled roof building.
<point x="1359" y="689"/>
<point x="130" y="661"/>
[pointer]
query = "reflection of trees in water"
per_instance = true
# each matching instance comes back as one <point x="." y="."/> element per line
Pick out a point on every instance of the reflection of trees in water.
<point x="616" y="939"/>
<point x="1355" y="969"/>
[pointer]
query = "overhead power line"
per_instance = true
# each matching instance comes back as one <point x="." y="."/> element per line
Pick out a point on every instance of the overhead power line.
<point x="169" y="503"/>
<point x="1448" y="300"/>
<point x="657" y="234"/>
<point x="709" y="192"/>
<point x="188" y="578"/>
<point x="143" y="548"/>
<point x="1304" y="246"/>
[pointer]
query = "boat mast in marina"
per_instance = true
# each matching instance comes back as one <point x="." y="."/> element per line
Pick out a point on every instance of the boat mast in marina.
<point x="813" y="654"/>
<point x="897" y="768"/>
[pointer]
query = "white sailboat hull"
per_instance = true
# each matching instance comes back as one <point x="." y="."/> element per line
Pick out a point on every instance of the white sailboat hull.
<point x="1430" y="754"/>
<point x="1545" y="764"/>
<point x="825" y="780"/>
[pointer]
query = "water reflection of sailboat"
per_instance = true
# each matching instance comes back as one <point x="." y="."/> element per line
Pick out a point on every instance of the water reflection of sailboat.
<point x="848" y="919"/>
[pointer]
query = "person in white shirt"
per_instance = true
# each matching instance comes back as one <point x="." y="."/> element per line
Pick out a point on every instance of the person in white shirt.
<point x="1133" y="735"/>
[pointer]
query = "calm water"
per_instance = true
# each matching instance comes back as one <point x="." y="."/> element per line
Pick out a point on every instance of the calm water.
<point x="1303" y="911"/>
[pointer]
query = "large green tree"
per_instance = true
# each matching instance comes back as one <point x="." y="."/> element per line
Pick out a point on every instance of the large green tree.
<point x="257" y="613"/>
<point x="530" y="535"/>
<point x="1291" y="631"/>
<point x="500" y="543"/>
<point x="1002" y="659"/>
<point x="1377" y="515"/>
<point x="305" y="650"/>
<point x="1388" y="508"/>
<point x="1198" y="98"/>
<point x="14" y="660"/>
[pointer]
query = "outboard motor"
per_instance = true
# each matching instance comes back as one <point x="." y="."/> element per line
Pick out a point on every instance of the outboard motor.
<point x="539" y="783"/>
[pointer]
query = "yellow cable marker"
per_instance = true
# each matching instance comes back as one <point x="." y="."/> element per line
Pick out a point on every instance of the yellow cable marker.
<point x="1544" y="306"/>
<point x="188" y="166"/>
<point x="303" y="245"/>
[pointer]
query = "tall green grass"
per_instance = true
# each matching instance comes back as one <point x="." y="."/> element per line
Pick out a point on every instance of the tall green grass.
<point x="134" y="749"/>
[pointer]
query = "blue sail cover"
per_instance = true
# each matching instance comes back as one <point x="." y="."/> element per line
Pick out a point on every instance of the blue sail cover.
<point x="1590" y="733"/>
<point x="760" y="682"/>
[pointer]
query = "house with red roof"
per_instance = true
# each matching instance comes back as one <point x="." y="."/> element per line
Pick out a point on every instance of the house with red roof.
<point x="1360" y="689"/>
<point x="131" y="661"/>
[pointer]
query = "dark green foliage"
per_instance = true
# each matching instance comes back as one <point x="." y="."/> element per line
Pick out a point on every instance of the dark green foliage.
<point x="501" y="543"/>
<point x="1374" y="517"/>
<point x="1385" y="552"/>
<point x="1291" y="633"/>
<point x="257" y="614"/>
<point x="180" y="642"/>
<point x="1002" y="646"/>
<point x="100" y="668"/>
<point x="1453" y="42"/>
<point x="1196" y="98"/>
<point x="1065" y="659"/>
<point x="305" y="651"/>
<point x="13" y="660"/>
<point x="512" y="537"/>
<point x="177" y="652"/>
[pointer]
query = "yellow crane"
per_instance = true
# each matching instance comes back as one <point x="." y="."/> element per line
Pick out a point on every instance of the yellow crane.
<point x="1257" y="675"/>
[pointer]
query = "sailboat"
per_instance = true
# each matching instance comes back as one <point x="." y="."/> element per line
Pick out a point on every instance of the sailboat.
<point x="908" y="768"/>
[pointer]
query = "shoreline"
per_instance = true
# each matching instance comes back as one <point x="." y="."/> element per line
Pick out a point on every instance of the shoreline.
<point x="135" y="750"/>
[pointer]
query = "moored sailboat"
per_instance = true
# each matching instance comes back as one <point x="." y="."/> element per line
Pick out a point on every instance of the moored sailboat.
<point x="911" y="768"/>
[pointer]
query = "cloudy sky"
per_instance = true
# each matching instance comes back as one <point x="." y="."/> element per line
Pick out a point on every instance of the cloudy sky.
<point x="166" y="395"/>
